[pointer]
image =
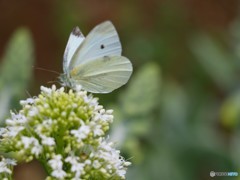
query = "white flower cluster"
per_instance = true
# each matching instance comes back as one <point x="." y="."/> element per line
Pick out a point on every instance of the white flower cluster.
<point x="6" y="166"/>
<point x="66" y="131"/>
<point x="107" y="153"/>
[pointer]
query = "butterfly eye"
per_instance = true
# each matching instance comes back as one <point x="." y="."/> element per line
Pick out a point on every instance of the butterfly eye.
<point x="102" y="46"/>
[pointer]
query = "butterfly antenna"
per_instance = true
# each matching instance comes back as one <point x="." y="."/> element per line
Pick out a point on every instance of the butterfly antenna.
<point x="38" y="68"/>
<point x="51" y="82"/>
<point x="129" y="158"/>
<point x="29" y="95"/>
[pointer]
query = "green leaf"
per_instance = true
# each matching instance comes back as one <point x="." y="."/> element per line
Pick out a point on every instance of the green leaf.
<point x="143" y="93"/>
<point x="15" y="69"/>
<point x="215" y="60"/>
<point x="230" y="111"/>
<point x="134" y="117"/>
<point x="174" y="103"/>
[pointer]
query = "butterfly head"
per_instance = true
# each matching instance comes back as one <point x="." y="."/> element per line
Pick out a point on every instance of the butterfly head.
<point x="65" y="80"/>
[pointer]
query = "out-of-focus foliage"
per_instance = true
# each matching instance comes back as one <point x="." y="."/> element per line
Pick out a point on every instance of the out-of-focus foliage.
<point x="182" y="130"/>
<point x="230" y="111"/>
<point x="217" y="62"/>
<point x="15" y="70"/>
<point x="142" y="94"/>
<point x="134" y="113"/>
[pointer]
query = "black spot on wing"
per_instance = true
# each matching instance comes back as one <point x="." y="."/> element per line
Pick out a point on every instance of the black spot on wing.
<point x="76" y="31"/>
<point x="102" y="46"/>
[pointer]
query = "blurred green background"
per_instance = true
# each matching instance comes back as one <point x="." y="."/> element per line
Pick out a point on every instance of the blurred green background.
<point x="178" y="116"/>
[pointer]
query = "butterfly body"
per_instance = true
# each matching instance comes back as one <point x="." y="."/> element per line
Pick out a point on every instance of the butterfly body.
<point x="95" y="62"/>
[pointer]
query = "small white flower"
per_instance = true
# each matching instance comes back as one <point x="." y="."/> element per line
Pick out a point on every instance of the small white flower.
<point x="107" y="146"/>
<point x="49" y="141"/>
<point x="47" y="122"/>
<point x="46" y="105"/>
<point x="87" y="162"/>
<point x="121" y="172"/>
<point x="56" y="162"/>
<point x="97" y="129"/>
<point x="109" y="111"/>
<point x="81" y="133"/>
<point x="3" y="132"/>
<point x="86" y="98"/>
<point x="77" y="176"/>
<point x="78" y="87"/>
<point x="77" y="167"/>
<point x="46" y="90"/>
<point x="4" y="168"/>
<point x="33" y="111"/>
<point x="98" y="107"/>
<point x="33" y="143"/>
<point x="17" y="119"/>
<point x="14" y="130"/>
<point x="107" y="118"/>
<point x="72" y="159"/>
<point x="11" y="162"/>
<point x="102" y="111"/>
<point x="58" y="173"/>
<point x="36" y="149"/>
<point x="96" y="164"/>
<point x="39" y="128"/>
<point x="61" y="90"/>
<point x="26" y="141"/>
<point x="109" y="166"/>
<point x="27" y="101"/>
<point x="93" y="102"/>
<point x="5" y="165"/>
<point x="126" y="163"/>
<point x="96" y="117"/>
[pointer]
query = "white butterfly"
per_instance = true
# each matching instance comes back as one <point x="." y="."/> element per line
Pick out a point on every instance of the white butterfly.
<point x="95" y="62"/>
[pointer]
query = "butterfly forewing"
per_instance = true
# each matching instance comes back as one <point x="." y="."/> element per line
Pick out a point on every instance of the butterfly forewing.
<point x="103" y="75"/>
<point x="101" y="41"/>
<point x="74" y="41"/>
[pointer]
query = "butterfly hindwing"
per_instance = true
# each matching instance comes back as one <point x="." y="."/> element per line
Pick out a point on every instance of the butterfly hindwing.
<point x="103" y="75"/>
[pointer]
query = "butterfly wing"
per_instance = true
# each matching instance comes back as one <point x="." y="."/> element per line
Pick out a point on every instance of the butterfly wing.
<point x="102" y="75"/>
<point x="103" y="40"/>
<point x="75" y="40"/>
